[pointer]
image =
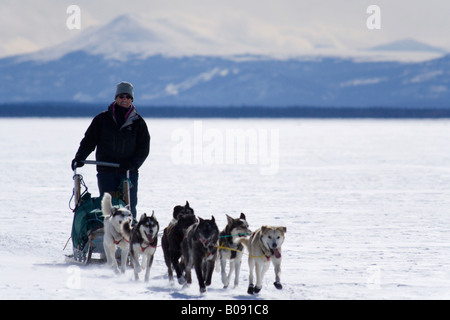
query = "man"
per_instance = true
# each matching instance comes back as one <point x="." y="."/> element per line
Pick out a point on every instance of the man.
<point x="121" y="136"/>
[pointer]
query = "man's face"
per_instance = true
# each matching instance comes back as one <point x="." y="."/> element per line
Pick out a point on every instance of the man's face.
<point x="124" y="100"/>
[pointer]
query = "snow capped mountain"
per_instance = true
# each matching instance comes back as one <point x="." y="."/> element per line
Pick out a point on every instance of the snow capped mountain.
<point x="174" y="65"/>
<point x="139" y="37"/>
<point x="408" y="45"/>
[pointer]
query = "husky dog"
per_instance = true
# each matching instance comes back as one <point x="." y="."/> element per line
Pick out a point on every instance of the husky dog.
<point x="200" y="251"/>
<point x="171" y="243"/>
<point x="264" y="245"/>
<point x="117" y="225"/>
<point x="186" y="209"/>
<point x="230" y="248"/>
<point x="181" y="210"/>
<point x="144" y="239"/>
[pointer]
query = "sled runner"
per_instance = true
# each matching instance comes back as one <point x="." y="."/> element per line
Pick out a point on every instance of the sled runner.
<point x="87" y="227"/>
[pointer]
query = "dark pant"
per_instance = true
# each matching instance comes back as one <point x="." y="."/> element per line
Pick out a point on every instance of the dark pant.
<point x="110" y="182"/>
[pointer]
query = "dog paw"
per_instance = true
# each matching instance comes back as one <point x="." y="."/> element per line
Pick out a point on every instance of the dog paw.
<point x="251" y="289"/>
<point x="257" y="289"/>
<point x="278" y="285"/>
<point x="202" y="289"/>
<point x="182" y="280"/>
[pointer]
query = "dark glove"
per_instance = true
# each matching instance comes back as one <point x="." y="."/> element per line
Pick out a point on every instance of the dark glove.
<point x="78" y="162"/>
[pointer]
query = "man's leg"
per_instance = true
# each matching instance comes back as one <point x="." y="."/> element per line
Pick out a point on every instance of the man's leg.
<point x="133" y="193"/>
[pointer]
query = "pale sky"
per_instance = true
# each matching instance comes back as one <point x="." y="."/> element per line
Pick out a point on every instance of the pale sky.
<point x="30" y="25"/>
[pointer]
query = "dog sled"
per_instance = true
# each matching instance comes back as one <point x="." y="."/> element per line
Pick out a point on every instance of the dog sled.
<point x="87" y="227"/>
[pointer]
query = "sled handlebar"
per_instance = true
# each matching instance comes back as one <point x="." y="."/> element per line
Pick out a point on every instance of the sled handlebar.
<point x="102" y="163"/>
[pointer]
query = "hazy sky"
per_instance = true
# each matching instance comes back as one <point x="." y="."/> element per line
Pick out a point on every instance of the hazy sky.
<point x="29" y="25"/>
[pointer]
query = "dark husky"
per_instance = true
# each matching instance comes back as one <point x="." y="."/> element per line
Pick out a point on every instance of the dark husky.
<point x="200" y="251"/>
<point x="186" y="209"/>
<point x="171" y="243"/>
<point x="231" y="249"/>
<point x="144" y="239"/>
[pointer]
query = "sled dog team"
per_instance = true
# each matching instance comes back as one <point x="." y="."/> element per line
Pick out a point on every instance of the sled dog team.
<point x="192" y="242"/>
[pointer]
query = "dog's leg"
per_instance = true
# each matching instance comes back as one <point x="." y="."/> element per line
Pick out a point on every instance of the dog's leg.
<point x="237" y="268"/>
<point x="178" y="269"/>
<point x="123" y="258"/>
<point x="199" y="271"/>
<point x="144" y="261"/>
<point x="259" y="276"/>
<point x="110" y="251"/>
<point x="261" y="267"/>
<point x="149" y="265"/>
<point x="231" y="270"/>
<point x="251" y="266"/>
<point x="136" y="266"/>
<point x="167" y="255"/>
<point x="223" y="266"/>
<point x="277" y="266"/>
<point x="209" y="271"/>
<point x="169" y="265"/>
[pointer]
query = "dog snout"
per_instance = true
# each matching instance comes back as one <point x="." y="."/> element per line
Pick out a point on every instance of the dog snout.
<point x="274" y="245"/>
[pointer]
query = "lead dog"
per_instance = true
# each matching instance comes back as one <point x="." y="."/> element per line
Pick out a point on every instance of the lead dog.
<point x="144" y="239"/>
<point x="200" y="251"/>
<point x="263" y="246"/>
<point x="230" y="248"/>
<point x="117" y="225"/>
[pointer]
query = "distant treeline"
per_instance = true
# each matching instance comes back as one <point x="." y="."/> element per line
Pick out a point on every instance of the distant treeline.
<point x="88" y="110"/>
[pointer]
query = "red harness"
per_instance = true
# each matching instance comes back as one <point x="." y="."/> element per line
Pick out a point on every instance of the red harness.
<point x="117" y="242"/>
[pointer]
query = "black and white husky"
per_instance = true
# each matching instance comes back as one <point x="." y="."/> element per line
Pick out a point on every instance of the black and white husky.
<point x="200" y="251"/>
<point x="144" y="239"/>
<point x="117" y="226"/>
<point x="230" y="248"/>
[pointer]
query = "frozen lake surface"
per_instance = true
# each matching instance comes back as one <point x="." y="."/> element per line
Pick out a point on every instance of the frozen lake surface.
<point x="365" y="202"/>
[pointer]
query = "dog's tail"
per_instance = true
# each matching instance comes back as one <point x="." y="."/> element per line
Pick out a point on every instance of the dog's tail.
<point x="107" y="205"/>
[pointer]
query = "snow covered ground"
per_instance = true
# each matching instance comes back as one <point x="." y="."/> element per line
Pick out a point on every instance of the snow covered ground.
<point x="365" y="202"/>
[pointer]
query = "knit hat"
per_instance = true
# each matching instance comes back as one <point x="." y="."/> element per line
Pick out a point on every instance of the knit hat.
<point x="125" y="87"/>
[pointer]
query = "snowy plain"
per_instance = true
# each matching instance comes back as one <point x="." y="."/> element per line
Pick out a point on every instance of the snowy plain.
<point x="365" y="202"/>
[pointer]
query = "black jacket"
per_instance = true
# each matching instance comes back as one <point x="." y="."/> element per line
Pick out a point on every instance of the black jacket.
<point x="128" y="145"/>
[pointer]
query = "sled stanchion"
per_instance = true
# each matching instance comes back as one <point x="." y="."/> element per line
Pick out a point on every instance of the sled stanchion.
<point x="76" y="186"/>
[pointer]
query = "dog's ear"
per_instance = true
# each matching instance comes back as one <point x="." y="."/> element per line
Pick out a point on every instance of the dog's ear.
<point x="264" y="229"/>
<point x="229" y="219"/>
<point x="242" y="216"/>
<point x="282" y="229"/>
<point x="153" y="213"/>
<point x="187" y="204"/>
<point x="213" y="219"/>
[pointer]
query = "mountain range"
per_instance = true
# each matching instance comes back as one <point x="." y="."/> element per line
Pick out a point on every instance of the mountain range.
<point x="170" y="66"/>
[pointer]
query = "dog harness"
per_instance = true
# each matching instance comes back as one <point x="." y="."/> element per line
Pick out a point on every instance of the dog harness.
<point x="150" y="245"/>
<point x="117" y="242"/>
